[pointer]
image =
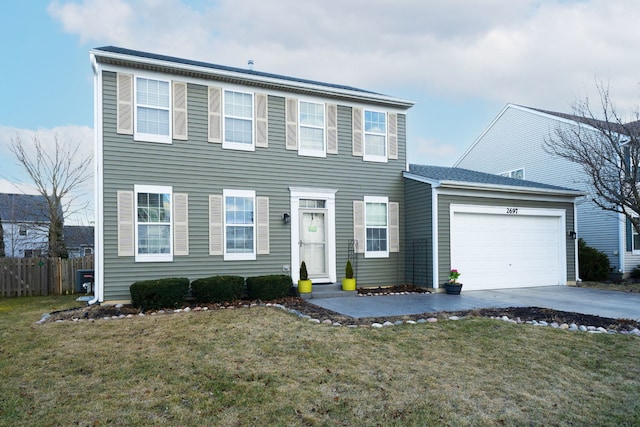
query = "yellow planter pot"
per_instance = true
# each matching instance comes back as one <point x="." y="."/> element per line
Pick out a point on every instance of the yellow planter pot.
<point x="348" y="284"/>
<point x="304" y="286"/>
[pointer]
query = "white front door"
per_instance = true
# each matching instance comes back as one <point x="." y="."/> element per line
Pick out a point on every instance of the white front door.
<point x="313" y="242"/>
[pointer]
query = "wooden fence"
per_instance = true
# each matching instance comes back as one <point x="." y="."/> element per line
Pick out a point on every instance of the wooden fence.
<point x="40" y="276"/>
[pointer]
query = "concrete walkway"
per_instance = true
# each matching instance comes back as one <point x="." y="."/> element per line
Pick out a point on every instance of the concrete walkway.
<point x="616" y="305"/>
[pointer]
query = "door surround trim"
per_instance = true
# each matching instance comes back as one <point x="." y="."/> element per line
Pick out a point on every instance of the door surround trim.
<point x="329" y="196"/>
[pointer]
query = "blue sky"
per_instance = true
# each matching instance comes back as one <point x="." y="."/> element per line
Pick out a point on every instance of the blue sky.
<point x="462" y="61"/>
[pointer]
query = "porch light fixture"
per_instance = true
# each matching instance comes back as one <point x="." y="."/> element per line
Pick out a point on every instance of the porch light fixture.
<point x="286" y="218"/>
<point x="571" y="234"/>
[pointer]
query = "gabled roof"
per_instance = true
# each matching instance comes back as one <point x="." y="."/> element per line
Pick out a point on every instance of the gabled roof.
<point x="16" y="208"/>
<point x="598" y="124"/>
<point x="145" y="60"/>
<point x="465" y="178"/>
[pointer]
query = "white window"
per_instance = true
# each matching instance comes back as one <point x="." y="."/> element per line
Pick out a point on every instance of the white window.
<point x="375" y="136"/>
<point x="152" y="112"/>
<point x="22" y="230"/>
<point x="376" y="215"/>
<point x="239" y="225"/>
<point x="516" y="173"/>
<point x="238" y="121"/>
<point x="153" y="223"/>
<point x="635" y="238"/>
<point x="312" y="129"/>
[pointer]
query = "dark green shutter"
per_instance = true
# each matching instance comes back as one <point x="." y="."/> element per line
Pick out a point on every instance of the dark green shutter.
<point x="629" y="236"/>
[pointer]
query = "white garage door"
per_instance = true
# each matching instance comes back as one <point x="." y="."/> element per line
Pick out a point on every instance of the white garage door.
<point x="496" y="247"/>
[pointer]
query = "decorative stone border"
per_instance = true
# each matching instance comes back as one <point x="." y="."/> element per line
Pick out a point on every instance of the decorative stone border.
<point x="564" y="326"/>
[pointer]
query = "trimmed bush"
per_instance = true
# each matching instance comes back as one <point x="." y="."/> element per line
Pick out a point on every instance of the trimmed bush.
<point x="635" y="273"/>
<point x="594" y="264"/>
<point x="268" y="288"/>
<point x="159" y="293"/>
<point x="218" y="289"/>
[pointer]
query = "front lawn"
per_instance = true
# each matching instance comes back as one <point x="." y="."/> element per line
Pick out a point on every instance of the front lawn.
<point x="262" y="366"/>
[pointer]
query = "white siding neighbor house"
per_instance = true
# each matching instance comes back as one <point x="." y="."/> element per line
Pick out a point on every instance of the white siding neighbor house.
<point x="513" y="146"/>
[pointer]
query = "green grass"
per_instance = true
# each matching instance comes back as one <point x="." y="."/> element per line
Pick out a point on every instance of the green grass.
<point x="262" y="366"/>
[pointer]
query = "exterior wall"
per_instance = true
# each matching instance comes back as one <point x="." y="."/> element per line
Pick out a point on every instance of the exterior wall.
<point x="419" y="233"/>
<point x="444" y="229"/>
<point x="516" y="140"/>
<point x="200" y="168"/>
<point x="15" y="245"/>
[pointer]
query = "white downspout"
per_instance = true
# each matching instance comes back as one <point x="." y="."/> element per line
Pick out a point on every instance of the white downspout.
<point x="98" y="261"/>
<point x="622" y="236"/>
<point x="434" y="234"/>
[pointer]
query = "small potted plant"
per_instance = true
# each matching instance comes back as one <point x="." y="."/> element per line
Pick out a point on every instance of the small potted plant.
<point x="349" y="282"/>
<point x="452" y="287"/>
<point x="304" y="284"/>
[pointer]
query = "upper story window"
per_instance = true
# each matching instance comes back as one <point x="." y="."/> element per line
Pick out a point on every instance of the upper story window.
<point x="239" y="225"/>
<point x="376" y="216"/>
<point x="153" y="223"/>
<point x="375" y="136"/>
<point x="516" y="173"/>
<point x="152" y="110"/>
<point x="22" y="230"/>
<point x="238" y="121"/>
<point x="312" y="129"/>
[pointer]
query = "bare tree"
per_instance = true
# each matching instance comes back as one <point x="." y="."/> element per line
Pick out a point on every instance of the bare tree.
<point x="607" y="148"/>
<point x="58" y="173"/>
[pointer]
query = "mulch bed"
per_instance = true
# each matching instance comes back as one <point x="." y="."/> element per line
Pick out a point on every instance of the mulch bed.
<point x="304" y="307"/>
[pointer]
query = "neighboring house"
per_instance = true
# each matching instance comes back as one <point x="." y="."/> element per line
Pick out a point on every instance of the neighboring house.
<point x="498" y="232"/>
<point x="25" y="225"/>
<point x="207" y="170"/>
<point x="513" y="145"/>
<point x="79" y="240"/>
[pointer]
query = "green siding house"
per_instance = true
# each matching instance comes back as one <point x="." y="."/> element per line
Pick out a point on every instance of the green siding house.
<point x="206" y="170"/>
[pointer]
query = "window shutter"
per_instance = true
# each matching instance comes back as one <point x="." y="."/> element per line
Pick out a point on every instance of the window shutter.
<point x="215" y="115"/>
<point x="394" y="227"/>
<point x="262" y="231"/>
<point x="180" y="224"/>
<point x="392" y="135"/>
<point x="358" y="227"/>
<point x="332" y="129"/>
<point x="357" y="131"/>
<point x="180" y="111"/>
<point x="125" y="223"/>
<point x="629" y="234"/>
<point x="291" y="114"/>
<point x="124" y="104"/>
<point x="215" y="225"/>
<point x="261" y="120"/>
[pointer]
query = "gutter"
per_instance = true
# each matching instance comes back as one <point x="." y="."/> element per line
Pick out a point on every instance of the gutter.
<point x="257" y="79"/>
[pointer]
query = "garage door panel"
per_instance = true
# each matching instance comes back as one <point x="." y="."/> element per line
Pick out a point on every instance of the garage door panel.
<point x="505" y="251"/>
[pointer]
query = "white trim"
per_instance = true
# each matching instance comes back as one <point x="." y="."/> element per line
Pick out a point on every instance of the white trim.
<point x="622" y="236"/>
<point x="508" y="174"/>
<point x="249" y="256"/>
<point x="153" y="189"/>
<point x="370" y="157"/>
<point x="329" y="196"/>
<point x="98" y="286"/>
<point x="434" y="231"/>
<point x="307" y="152"/>
<point x="237" y="145"/>
<point x="150" y="137"/>
<point x="375" y="254"/>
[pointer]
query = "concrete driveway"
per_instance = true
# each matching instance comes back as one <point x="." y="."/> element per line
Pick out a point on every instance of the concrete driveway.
<point x="616" y="305"/>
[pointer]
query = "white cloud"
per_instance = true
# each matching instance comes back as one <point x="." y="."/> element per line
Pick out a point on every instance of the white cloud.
<point x="544" y="53"/>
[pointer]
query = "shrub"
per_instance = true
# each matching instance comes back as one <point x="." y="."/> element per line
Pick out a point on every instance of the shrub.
<point x="348" y="270"/>
<point x="269" y="287"/>
<point x="159" y="293"/>
<point x="635" y="273"/>
<point x="218" y="289"/>
<point x="594" y="264"/>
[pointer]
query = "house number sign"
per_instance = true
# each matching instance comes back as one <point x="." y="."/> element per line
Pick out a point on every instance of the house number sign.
<point x="512" y="211"/>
